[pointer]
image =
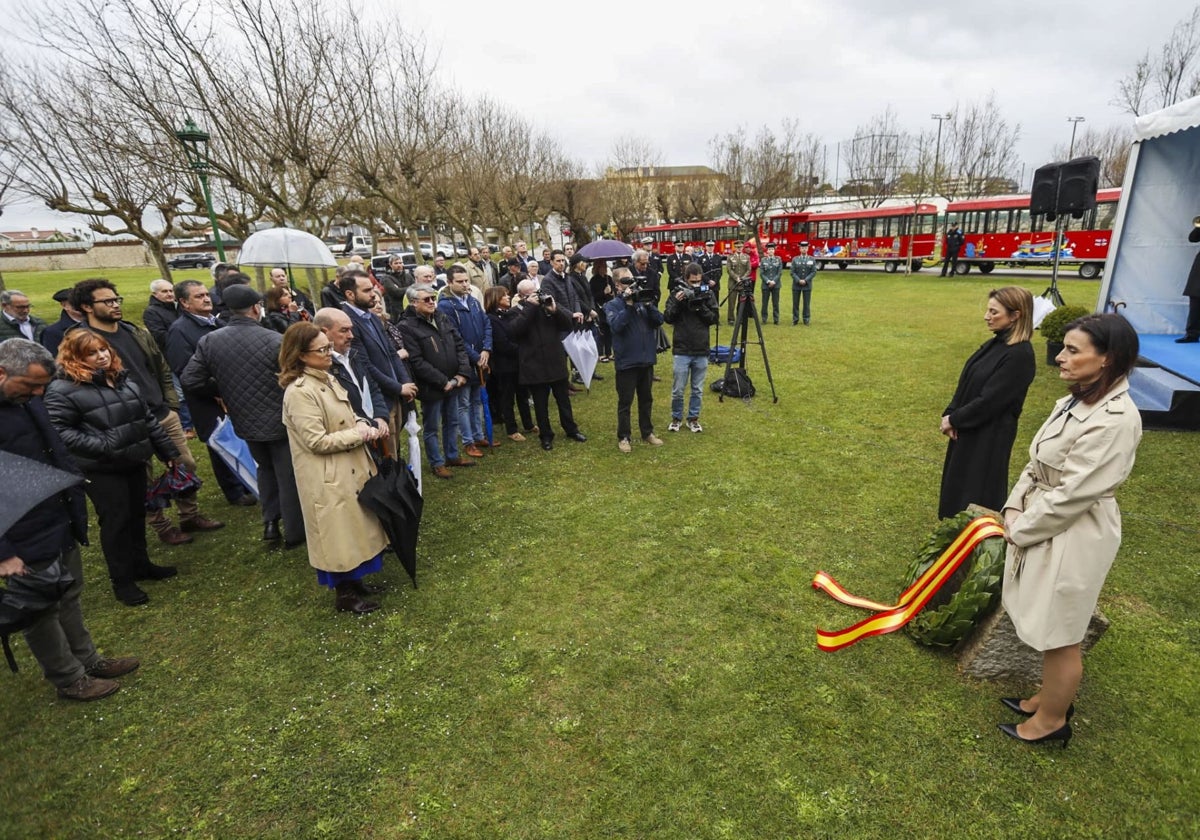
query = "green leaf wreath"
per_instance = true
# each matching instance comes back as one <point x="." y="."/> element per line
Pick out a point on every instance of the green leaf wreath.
<point x="972" y="591"/>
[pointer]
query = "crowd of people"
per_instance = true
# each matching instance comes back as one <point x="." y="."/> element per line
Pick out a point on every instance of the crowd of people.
<point x="319" y="394"/>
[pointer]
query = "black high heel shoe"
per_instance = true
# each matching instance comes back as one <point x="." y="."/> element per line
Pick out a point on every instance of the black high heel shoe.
<point x="1062" y="734"/>
<point x="1014" y="703"/>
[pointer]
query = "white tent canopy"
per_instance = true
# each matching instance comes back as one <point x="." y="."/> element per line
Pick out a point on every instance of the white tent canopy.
<point x="1150" y="255"/>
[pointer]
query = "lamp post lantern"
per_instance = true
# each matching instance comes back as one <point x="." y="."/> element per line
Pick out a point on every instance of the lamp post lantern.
<point x="195" y="146"/>
<point x="937" y="149"/>
<point x="1074" y="121"/>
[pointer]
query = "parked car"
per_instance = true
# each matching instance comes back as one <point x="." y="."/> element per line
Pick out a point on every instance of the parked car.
<point x="381" y="262"/>
<point x="191" y="261"/>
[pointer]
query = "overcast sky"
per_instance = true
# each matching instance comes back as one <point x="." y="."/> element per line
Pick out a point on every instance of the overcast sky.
<point x="677" y="73"/>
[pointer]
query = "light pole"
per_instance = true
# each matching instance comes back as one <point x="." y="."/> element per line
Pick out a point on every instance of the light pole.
<point x="1074" y="121"/>
<point x="937" y="149"/>
<point x="195" y="146"/>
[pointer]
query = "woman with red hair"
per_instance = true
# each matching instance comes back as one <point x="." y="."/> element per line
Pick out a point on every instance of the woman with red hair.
<point x="111" y="433"/>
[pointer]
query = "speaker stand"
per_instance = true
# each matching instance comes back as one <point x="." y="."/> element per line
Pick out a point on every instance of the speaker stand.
<point x="1052" y="294"/>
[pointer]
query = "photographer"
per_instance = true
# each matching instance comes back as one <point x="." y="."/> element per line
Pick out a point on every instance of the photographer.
<point x="634" y="321"/>
<point x="542" y="365"/>
<point x="692" y="309"/>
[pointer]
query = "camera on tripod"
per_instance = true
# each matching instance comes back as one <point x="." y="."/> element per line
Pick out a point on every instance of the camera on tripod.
<point x="744" y="288"/>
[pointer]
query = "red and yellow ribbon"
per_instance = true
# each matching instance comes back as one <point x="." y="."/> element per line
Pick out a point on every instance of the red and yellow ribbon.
<point x="912" y="600"/>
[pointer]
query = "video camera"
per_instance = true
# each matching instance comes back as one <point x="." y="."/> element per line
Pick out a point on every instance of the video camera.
<point x="693" y="294"/>
<point x="639" y="291"/>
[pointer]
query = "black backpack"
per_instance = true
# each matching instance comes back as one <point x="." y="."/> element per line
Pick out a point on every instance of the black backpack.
<point x="737" y="384"/>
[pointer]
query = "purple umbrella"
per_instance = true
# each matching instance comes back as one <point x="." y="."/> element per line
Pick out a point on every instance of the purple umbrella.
<point x="606" y="249"/>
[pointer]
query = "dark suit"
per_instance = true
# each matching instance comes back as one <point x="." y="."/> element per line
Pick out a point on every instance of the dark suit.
<point x="353" y="385"/>
<point x="53" y="334"/>
<point x="384" y="365"/>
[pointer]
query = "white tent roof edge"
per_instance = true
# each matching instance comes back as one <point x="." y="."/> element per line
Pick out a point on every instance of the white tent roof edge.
<point x="1178" y="117"/>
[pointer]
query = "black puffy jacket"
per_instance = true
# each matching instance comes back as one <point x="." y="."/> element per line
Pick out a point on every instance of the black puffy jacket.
<point x="436" y="353"/>
<point x="107" y="428"/>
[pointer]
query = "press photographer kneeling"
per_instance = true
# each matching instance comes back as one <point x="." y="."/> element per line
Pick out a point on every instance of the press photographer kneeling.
<point x="692" y="309"/>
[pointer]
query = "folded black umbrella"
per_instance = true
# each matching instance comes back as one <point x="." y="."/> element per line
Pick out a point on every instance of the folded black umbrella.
<point x="25" y="483"/>
<point x="392" y="495"/>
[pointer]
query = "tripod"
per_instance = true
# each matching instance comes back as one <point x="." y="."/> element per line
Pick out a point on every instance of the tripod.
<point x="1052" y="293"/>
<point x="741" y="327"/>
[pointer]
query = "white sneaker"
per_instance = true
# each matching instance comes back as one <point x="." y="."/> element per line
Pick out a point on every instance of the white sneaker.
<point x="694" y="425"/>
<point x="675" y="426"/>
<point x="653" y="440"/>
<point x="624" y="446"/>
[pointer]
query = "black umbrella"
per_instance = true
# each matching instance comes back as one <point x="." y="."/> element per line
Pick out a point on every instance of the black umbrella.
<point x="392" y="495"/>
<point x="25" y="483"/>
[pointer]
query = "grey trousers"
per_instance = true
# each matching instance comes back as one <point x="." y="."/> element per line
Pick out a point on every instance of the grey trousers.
<point x="59" y="641"/>
<point x="277" y="486"/>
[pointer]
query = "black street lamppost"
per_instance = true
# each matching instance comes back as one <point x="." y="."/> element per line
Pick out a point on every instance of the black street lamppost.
<point x="937" y="151"/>
<point x="195" y="146"/>
<point x="1074" y="121"/>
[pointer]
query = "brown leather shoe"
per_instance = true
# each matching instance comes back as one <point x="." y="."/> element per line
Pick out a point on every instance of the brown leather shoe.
<point x="442" y="472"/>
<point x="460" y="462"/>
<point x="473" y="451"/>
<point x="88" y="688"/>
<point x="200" y="523"/>
<point x="109" y="668"/>
<point x="486" y="444"/>
<point x="173" y="536"/>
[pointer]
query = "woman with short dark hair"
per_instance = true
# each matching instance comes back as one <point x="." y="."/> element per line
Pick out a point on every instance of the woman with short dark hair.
<point x="1062" y="521"/>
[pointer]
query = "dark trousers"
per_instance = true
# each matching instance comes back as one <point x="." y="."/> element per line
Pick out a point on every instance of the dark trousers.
<point x="541" y="408"/>
<point x="502" y="393"/>
<point x="120" y="502"/>
<point x="950" y="264"/>
<point x="637" y="381"/>
<point x="59" y="640"/>
<point x="277" y="486"/>
<point x="205" y="415"/>
<point x="770" y="296"/>
<point x="1193" y="321"/>
<point x="798" y="292"/>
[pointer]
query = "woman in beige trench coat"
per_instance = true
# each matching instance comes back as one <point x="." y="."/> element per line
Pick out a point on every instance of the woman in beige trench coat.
<point x="328" y="443"/>
<point x="1062" y="521"/>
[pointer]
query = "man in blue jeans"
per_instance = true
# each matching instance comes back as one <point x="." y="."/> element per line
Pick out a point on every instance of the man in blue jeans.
<point x="692" y="310"/>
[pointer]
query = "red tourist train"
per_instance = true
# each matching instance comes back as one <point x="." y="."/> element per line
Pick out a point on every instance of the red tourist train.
<point x="891" y="235"/>
<point x="724" y="232"/>
<point x="1001" y="231"/>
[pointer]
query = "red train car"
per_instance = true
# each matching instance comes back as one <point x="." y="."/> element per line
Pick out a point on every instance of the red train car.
<point x="890" y="235"/>
<point x="724" y="232"/>
<point x="1001" y="231"/>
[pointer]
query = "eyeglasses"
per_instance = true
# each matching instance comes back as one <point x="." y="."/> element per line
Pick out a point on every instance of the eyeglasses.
<point x="323" y="350"/>
<point x="112" y="301"/>
<point x="426" y="299"/>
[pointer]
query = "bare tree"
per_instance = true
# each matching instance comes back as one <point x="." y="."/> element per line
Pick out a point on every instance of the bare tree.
<point x="875" y="159"/>
<point x="979" y="149"/>
<point x="629" y="193"/>
<point x="1111" y="145"/>
<point x="577" y="198"/>
<point x="69" y="144"/>
<point x="1164" y="77"/>
<point x="757" y="171"/>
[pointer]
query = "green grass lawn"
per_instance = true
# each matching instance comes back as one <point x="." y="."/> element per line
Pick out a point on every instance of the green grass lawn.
<point x="609" y="645"/>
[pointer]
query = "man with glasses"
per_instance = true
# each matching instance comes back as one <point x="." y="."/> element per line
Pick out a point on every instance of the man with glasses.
<point x="17" y="320"/>
<point x="240" y="364"/>
<point x="440" y="366"/>
<point x="100" y="305"/>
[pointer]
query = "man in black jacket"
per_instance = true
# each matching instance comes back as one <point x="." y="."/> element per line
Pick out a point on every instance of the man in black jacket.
<point x="692" y="309"/>
<point x="954" y="243"/>
<point x="440" y="366"/>
<point x="196" y="321"/>
<point x="160" y="311"/>
<point x="68" y="318"/>
<point x="50" y="531"/>
<point x="240" y="363"/>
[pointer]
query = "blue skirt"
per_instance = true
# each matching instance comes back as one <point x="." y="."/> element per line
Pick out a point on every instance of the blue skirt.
<point x="367" y="567"/>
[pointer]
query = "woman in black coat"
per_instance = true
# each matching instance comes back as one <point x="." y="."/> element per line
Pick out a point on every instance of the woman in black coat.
<point x="503" y="365"/>
<point x="111" y="433"/>
<point x="981" y="420"/>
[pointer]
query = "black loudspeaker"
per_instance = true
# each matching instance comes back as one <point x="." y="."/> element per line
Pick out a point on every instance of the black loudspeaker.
<point x="1066" y="187"/>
